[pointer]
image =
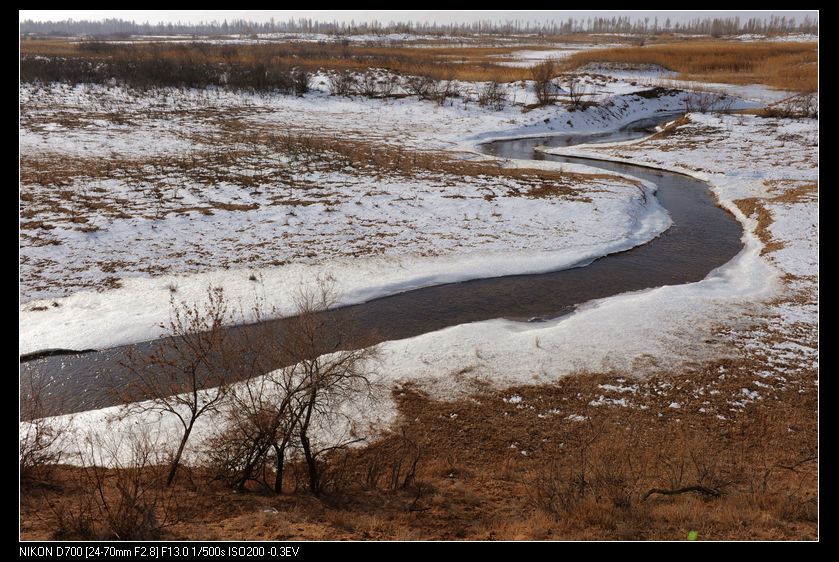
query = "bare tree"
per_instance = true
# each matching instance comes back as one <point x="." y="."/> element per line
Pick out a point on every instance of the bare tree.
<point x="332" y="376"/>
<point x="186" y="375"/>
<point x="259" y="426"/>
<point x="301" y="405"/>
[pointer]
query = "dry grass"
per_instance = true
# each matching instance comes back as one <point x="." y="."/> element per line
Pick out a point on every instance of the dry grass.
<point x="758" y="208"/>
<point x="232" y="161"/>
<point x="442" y="63"/>
<point x="783" y="65"/>
<point x="490" y="468"/>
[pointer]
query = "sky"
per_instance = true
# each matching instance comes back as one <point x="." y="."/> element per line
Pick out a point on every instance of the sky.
<point x="384" y="16"/>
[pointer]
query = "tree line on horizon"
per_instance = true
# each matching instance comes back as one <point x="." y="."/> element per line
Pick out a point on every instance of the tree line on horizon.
<point x="716" y="27"/>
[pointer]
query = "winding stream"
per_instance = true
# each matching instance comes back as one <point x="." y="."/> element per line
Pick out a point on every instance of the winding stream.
<point x="702" y="237"/>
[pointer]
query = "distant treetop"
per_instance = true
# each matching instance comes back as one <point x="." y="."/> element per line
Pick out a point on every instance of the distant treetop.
<point x="717" y="27"/>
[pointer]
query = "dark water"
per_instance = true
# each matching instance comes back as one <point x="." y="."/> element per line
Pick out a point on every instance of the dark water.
<point x="702" y="237"/>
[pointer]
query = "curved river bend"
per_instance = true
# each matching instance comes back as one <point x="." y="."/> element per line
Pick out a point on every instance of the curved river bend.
<point x="701" y="238"/>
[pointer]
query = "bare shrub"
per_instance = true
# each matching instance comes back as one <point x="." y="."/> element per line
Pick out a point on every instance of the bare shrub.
<point x="301" y="81"/>
<point x="185" y="376"/>
<point x="492" y="95"/>
<point x="259" y="427"/>
<point x="369" y="85"/>
<point x="564" y="482"/>
<point x="693" y="464"/>
<point x="343" y="83"/>
<point x="699" y="101"/>
<point x="445" y="89"/>
<point x="390" y="463"/>
<point x="388" y="85"/>
<point x="374" y="85"/>
<point x="804" y="105"/>
<point x="578" y="91"/>
<point x="422" y="86"/>
<point x="122" y="492"/>
<point x="543" y="84"/>
<point x="40" y="434"/>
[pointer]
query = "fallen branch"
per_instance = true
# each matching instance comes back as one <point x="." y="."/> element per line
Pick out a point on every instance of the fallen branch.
<point x="687" y="489"/>
<point x="793" y="466"/>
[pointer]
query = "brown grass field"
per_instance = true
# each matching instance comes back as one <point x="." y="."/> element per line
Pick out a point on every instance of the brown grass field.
<point x="489" y="469"/>
<point x="443" y="63"/>
<point x="787" y="66"/>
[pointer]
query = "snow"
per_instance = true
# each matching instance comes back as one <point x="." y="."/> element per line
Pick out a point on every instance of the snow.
<point x="790" y="37"/>
<point x="800" y="253"/>
<point x="654" y="75"/>
<point x="359" y="239"/>
<point x="740" y="156"/>
<point x="558" y="51"/>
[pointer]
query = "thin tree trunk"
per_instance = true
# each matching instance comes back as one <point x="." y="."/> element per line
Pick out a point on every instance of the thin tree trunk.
<point x="177" y="460"/>
<point x="310" y="462"/>
<point x="278" y="477"/>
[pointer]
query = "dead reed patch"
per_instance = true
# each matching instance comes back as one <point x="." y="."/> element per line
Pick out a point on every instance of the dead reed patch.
<point x="783" y="65"/>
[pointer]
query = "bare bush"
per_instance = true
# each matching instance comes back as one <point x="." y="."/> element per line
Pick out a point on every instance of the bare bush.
<point x="422" y="86"/>
<point x="259" y="428"/>
<point x="699" y="101"/>
<point x="805" y="105"/>
<point x="445" y="89"/>
<point x="372" y="85"/>
<point x="343" y="83"/>
<point x="390" y="463"/>
<point x="369" y="84"/>
<point x="186" y="375"/>
<point x="388" y="86"/>
<point x="303" y="406"/>
<point x="577" y="92"/>
<point x="566" y="481"/>
<point x="333" y="379"/>
<point x="123" y="495"/>
<point x="301" y="81"/>
<point x="543" y="84"/>
<point x="492" y="95"/>
<point x="40" y="434"/>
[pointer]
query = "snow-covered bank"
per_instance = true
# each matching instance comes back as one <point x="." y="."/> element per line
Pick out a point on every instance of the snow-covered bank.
<point x="405" y="233"/>
<point x="135" y="311"/>
<point x="640" y="332"/>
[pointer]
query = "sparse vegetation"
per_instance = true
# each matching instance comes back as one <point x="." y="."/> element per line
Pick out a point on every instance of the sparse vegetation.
<point x="714" y="449"/>
<point x="257" y="67"/>
<point x="543" y="84"/>
<point x="41" y="436"/>
<point x="534" y="474"/>
<point x="492" y="95"/>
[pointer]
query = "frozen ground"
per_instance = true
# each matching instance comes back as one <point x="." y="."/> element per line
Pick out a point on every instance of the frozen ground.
<point x="761" y="308"/>
<point x="145" y="210"/>
<point x="654" y="75"/>
<point x="558" y="51"/>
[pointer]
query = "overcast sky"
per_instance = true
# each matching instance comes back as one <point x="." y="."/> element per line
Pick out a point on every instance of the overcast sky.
<point x="384" y="16"/>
